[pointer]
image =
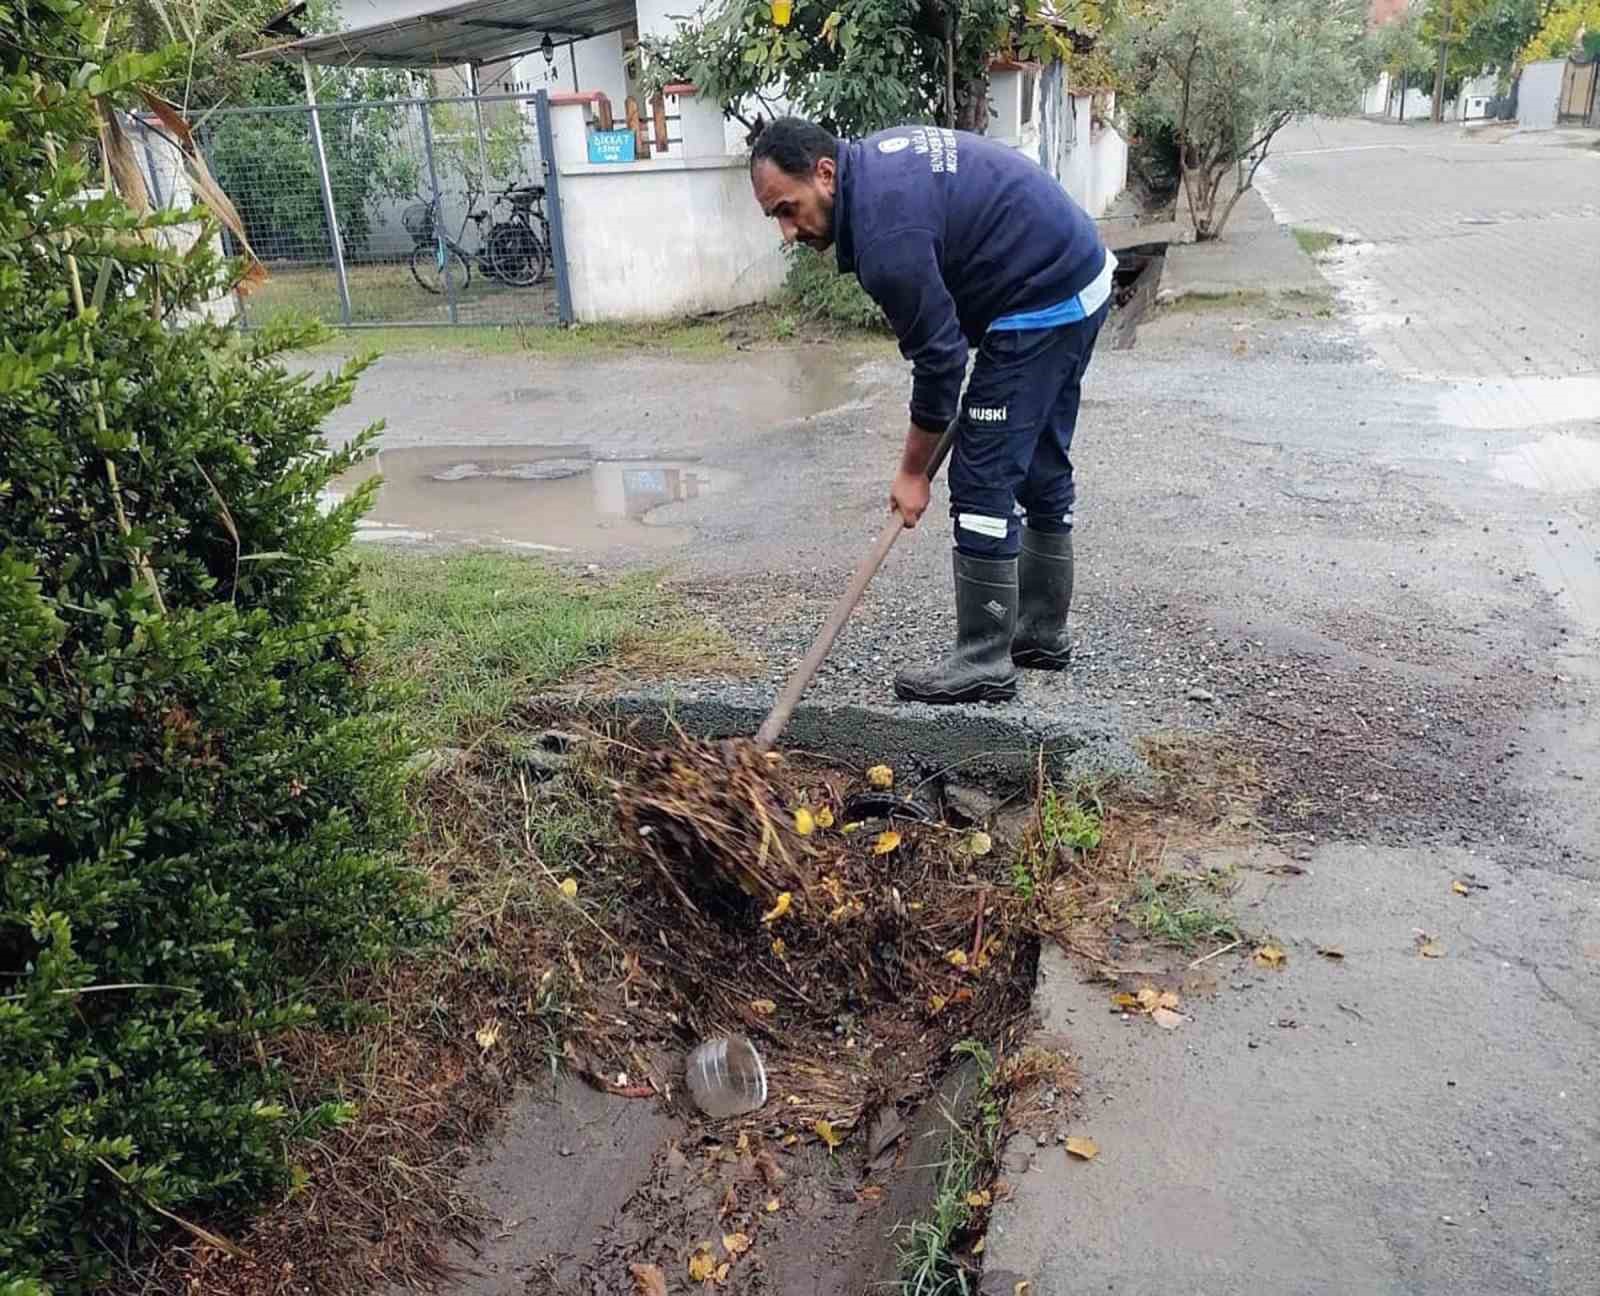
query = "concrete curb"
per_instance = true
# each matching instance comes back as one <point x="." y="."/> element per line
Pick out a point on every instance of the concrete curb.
<point x="996" y="746"/>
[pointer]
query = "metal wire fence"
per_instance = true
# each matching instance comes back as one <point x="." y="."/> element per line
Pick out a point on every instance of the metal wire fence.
<point x="443" y="209"/>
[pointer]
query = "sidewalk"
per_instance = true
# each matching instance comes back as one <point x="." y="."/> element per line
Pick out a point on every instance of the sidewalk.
<point x="1255" y="257"/>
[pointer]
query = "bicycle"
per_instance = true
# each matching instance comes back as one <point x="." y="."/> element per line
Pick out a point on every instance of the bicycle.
<point x="517" y="255"/>
<point x="512" y="251"/>
<point x="437" y="260"/>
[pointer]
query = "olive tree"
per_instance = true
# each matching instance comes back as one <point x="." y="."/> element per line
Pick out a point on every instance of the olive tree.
<point x="1227" y="75"/>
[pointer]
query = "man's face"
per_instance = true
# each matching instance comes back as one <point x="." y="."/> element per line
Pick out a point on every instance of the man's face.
<point x="802" y="205"/>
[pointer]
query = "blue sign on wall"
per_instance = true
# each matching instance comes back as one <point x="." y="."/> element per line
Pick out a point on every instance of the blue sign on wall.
<point x="611" y="146"/>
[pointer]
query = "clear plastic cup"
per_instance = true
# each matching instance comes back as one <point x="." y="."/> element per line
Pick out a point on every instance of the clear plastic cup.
<point x="726" y="1077"/>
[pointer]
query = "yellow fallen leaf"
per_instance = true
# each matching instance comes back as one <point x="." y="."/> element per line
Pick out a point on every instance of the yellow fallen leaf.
<point x="763" y="1007"/>
<point x="825" y="1133"/>
<point x="743" y="1145"/>
<point x="1023" y="1288"/>
<point x="569" y="888"/>
<point x="789" y="1140"/>
<point x="1125" y="1001"/>
<point x="824" y="817"/>
<point x="1085" y="1149"/>
<point x="1432" y="949"/>
<point x="487" y="1035"/>
<point x="1271" y="956"/>
<point x="936" y="1003"/>
<point x="1148" y="998"/>
<point x="849" y="828"/>
<point x="1169" y="999"/>
<point x="1330" y="951"/>
<point x="880" y="777"/>
<point x="956" y="958"/>
<point x="772" y="1206"/>
<point x="1166" y="1018"/>
<point x="648" y="1280"/>
<point x="977" y="1200"/>
<point x="702" y="1264"/>
<point x="977" y="1247"/>
<point x="722" y="1272"/>
<point x="735" y="1243"/>
<point x="805" y="822"/>
<point x="781" y="907"/>
<point x="980" y="844"/>
<point x="887" y="842"/>
<point x="1461" y="888"/>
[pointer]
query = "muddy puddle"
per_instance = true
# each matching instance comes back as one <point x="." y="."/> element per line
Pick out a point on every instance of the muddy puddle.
<point x="549" y="498"/>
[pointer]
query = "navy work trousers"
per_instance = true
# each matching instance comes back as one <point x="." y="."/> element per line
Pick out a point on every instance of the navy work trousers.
<point x="1014" y="441"/>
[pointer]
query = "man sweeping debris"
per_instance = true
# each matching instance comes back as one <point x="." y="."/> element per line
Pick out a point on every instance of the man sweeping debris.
<point x="965" y="243"/>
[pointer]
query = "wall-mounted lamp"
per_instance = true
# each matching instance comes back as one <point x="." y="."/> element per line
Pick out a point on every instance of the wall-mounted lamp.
<point x="547" y="47"/>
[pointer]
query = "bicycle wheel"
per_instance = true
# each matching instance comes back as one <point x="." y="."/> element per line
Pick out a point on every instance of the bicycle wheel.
<point x="517" y="255"/>
<point x="436" y="266"/>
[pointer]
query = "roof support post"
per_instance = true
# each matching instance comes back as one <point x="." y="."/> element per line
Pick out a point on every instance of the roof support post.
<point x="327" y="194"/>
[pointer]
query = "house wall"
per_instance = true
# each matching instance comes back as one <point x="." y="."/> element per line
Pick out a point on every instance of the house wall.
<point x="1472" y="104"/>
<point x="1375" y="99"/>
<point x="1539" y="94"/>
<point x="1089" y="161"/>
<point x="167" y="183"/>
<point x="672" y="236"/>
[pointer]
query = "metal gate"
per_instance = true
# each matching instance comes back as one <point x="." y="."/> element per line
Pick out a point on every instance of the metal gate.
<point x="1578" y="92"/>
<point x="398" y="211"/>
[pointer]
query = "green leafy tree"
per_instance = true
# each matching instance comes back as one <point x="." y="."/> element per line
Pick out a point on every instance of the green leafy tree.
<point x="855" y="69"/>
<point x="1563" y="30"/>
<point x="200" y="789"/>
<point x="1225" y="76"/>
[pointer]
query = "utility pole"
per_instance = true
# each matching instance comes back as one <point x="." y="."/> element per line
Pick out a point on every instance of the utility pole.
<point x="1444" y="53"/>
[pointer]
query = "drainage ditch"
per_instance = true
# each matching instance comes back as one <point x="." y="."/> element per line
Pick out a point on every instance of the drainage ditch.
<point x="1134" y="286"/>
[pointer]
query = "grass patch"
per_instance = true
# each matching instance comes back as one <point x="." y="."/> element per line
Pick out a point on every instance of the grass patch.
<point x="1067" y="824"/>
<point x="1183" y="908"/>
<point x="1314" y="242"/>
<point x="387" y="292"/>
<point x="396" y="315"/>
<point x="472" y="636"/>
<point x="929" y="1261"/>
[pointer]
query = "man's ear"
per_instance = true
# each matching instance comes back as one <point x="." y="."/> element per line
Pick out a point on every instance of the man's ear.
<point x="826" y="169"/>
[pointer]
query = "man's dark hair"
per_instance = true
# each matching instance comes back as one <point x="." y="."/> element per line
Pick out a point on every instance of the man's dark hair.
<point x="793" y="145"/>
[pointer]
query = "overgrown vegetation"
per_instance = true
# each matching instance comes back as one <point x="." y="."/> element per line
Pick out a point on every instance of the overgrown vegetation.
<point x="815" y="291"/>
<point x="203" y="800"/>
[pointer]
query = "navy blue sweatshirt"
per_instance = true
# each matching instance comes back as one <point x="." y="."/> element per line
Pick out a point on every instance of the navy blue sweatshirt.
<point x="948" y="232"/>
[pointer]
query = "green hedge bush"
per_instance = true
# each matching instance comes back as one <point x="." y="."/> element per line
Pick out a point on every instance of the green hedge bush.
<point x="814" y="289"/>
<point x="201" y="798"/>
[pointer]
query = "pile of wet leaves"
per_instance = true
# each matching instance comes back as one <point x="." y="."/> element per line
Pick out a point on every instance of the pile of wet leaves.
<point x="854" y="952"/>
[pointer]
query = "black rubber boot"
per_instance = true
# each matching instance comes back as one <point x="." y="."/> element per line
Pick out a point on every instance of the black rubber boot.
<point x="979" y="670"/>
<point x="1044" y="586"/>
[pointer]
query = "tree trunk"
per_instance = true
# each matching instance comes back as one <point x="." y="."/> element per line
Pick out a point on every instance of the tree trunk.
<point x="1444" y="53"/>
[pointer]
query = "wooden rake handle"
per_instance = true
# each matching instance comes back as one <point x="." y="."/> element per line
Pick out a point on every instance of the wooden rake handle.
<point x="778" y="717"/>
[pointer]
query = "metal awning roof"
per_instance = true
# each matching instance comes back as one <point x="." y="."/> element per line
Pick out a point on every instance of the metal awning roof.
<point x="479" y="31"/>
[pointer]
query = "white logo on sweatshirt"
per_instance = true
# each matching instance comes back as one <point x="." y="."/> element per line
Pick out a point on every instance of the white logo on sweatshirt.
<point x="893" y="144"/>
<point x="987" y="414"/>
